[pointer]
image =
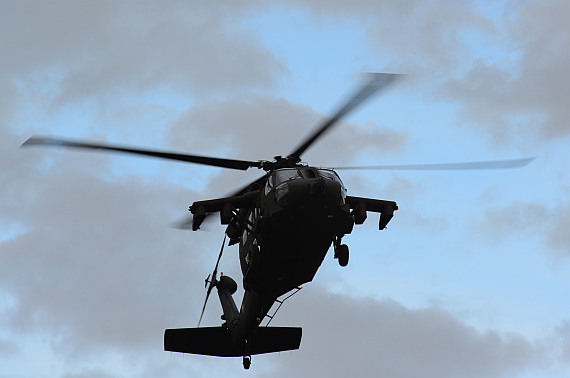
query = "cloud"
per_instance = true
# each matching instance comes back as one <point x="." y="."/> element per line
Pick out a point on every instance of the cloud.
<point x="504" y="65"/>
<point x="564" y="334"/>
<point x="93" y="258"/>
<point x="8" y="347"/>
<point x="524" y="95"/>
<point x="82" y="50"/>
<point x="366" y="337"/>
<point x="423" y="39"/>
<point x="558" y="230"/>
<point x="519" y="218"/>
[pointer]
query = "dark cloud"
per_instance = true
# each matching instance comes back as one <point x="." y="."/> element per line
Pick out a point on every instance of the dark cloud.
<point x="419" y="38"/>
<point x="93" y="258"/>
<point x="563" y="333"/>
<point x="366" y="337"/>
<point x="78" y="50"/>
<point x="524" y="95"/>
<point x="8" y="347"/>
<point x="520" y="218"/>
<point x="503" y="64"/>
<point x="558" y="230"/>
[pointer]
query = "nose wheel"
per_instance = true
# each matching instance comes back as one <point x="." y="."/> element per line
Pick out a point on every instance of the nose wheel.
<point x="341" y="253"/>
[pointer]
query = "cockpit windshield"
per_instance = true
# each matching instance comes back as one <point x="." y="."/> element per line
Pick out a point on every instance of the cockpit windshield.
<point x="283" y="175"/>
<point x="331" y="175"/>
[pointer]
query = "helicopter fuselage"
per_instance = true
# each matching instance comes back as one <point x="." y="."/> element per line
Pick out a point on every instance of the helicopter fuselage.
<point x="300" y="212"/>
<point x="285" y="225"/>
<point x="284" y="238"/>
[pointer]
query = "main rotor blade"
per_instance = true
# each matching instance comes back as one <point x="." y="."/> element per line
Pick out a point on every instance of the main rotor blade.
<point x="495" y="164"/>
<point x="205" y="160"/>
<point x="376" y="82"/>
<point x="259" y="182"/>
<point x="186" y="224"/>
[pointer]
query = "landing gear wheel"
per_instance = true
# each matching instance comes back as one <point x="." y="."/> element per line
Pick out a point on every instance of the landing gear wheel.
<point x="341" y="253"/>
<point x="246" y="362"/>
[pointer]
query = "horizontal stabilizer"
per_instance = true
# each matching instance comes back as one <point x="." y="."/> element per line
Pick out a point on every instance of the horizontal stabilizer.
<point x="216" y="341"/>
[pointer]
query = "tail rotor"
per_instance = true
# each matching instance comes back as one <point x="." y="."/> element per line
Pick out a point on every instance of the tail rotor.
<point x="211" y="281"/>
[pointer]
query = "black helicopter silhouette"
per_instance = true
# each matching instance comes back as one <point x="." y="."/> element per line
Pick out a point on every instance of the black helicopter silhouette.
<point x="284" y="222"/>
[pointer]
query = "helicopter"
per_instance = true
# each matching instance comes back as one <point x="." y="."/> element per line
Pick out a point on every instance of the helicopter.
<point x="284" y="222"/>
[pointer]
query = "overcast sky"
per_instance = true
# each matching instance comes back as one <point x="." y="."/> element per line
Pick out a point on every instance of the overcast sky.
<point x="471" y="277"/>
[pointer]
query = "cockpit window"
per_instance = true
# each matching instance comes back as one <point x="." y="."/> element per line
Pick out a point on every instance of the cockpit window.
<point x="287" y="174"/>
<point x="308" y="172"/>
<point x="331" y="175"/>
<point x="283" y="175"/>
<point x="328" y="175"/>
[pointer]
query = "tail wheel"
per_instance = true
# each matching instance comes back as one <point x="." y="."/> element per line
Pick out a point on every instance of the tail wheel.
<point x="246" y="362"/>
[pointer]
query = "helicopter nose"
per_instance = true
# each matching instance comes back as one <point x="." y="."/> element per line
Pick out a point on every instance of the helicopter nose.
<point x="318" y="188"/>
<point x="317" y="192"/>
<point x="323" y="192"/>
